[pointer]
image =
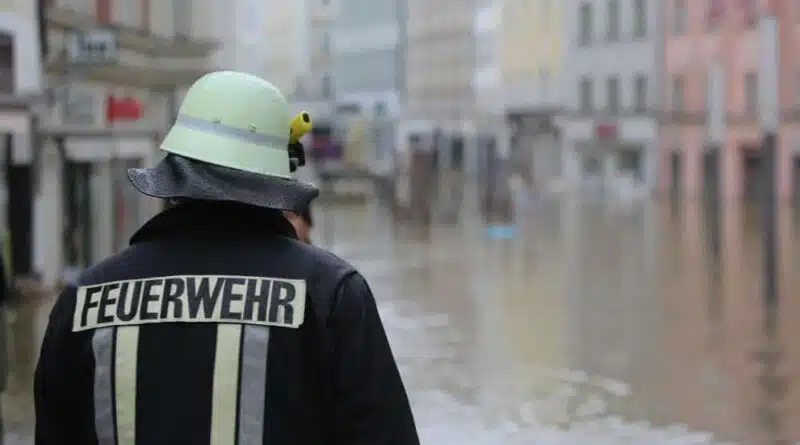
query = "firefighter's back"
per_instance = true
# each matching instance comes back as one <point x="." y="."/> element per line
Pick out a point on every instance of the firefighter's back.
<point x="204" y="337"/>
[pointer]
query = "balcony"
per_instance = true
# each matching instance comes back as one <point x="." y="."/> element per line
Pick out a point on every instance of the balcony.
<point x="136" y="39"/>
<point x="155" y="78"/>
<point x="676" y="117"/>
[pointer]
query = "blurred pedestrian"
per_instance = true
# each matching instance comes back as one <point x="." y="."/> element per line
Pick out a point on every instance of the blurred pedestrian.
<point x="217" y="325"/>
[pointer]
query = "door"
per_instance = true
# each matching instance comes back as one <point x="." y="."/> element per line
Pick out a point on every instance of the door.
<point x="751" y="175"/>
<point x="796" y="180"/>
<point x="676" y="174"/>
<point x="711" y="182"/>
<point x="6" y="63"/>
<point x="78" y="207"/>
<point x="19" y="213"/>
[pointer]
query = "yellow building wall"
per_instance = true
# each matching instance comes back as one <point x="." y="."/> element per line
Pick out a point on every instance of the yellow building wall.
<point x="283" y="39"/>
<point x="531" y="40"/>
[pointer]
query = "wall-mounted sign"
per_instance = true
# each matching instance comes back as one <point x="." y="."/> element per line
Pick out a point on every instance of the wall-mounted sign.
<point x="79" y="106"/>
<point x="123" y="108"/>
<point x="605" y="131"/>
<point x="92" y="47"/>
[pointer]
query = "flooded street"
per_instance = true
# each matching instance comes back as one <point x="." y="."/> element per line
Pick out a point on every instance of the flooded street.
<point x="593" y="323"/>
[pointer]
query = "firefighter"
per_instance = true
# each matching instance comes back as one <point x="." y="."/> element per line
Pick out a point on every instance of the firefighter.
<point x="217" y="326"/>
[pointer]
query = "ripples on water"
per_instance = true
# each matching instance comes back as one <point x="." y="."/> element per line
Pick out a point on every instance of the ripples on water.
<point x="603" y="323"/>
<point x="600" y="324"/>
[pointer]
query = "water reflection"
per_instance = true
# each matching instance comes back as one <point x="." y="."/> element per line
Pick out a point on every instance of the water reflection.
<point x="601" y="321"/>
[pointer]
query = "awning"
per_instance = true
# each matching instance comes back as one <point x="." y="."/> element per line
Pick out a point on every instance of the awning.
<point x="131" y="38"/>
<point x="155" y="79"/>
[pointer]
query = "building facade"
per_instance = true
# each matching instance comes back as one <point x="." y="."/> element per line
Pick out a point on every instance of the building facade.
<point x="20" y="87"/>
<point x="611" y="92"/>
<point x="441" y="60"/>
<point x="243" y="29"/>
<point x="317" y="92"/>
<point x="699" y="37"/>
<point x="531" y="91"/>
<point x="367" y="56"/>
<point x="85" y="210"/>
<point x="369" y="79"/>
<point x="285" y="45"/>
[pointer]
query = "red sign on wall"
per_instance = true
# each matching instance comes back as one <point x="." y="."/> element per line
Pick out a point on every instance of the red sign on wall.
<point x="605" y="131"/>
<point x="123" y="109"/>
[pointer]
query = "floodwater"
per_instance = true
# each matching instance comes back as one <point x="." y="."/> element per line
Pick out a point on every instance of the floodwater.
<point x="589" y="322"/>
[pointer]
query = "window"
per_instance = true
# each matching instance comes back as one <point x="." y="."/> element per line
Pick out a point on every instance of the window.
<point x="586" y="27"/>
<point x="326" y="42"/>
<point x="586" y="89"/>
<point x="6" y="64"/>
<point x="544" y="14"/>
<point x="629" y="161"/>
<point x="640" y="18"/>
<point x="485" y="50"/>
<point x="640" y="93"/>
<point x="680" y="16"/>
<point x="182" y="17"/>
<point x="678" y="93"/>
<point x="750" y="12"/>
<point x="715" y="13"/>
<point x="544" y="80"/>
<point x="612" y="90"/>
<point x="79" y="108"/>
<point x="751" y="93"/>
<point x="327" y="86"/>
<point x="592" y="166"/>
<point x="797" y="89"/>
<point x="613" y="21"/>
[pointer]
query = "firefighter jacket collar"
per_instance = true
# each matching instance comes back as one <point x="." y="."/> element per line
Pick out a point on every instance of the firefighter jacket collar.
<point x="203" y="218"/>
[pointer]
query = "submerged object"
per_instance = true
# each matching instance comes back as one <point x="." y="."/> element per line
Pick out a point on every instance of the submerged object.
<point x="501" y="232"/>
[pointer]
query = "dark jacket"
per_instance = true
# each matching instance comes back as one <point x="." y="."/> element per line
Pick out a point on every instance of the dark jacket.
<point x="190" y="333"/>
<point x="5" y="299"/>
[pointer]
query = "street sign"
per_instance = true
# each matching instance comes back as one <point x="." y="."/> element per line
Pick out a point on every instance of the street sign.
<point x="93" y="47"/>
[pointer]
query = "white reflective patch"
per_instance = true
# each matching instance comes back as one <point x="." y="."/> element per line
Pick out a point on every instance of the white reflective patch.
<point x="126" y="357"/>
<point x="225" y="384"/>
<point x="253" y="385"/>
<point x="191" y="299"/>
<point x="103" y="349"/>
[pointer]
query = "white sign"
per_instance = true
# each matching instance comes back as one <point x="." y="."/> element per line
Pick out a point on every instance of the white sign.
<point x="191" y="299"/>
<point x="96" y="46"/>
<point x="79" y="106"/>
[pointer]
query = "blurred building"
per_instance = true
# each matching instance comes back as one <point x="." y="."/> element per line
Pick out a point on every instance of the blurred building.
<point x="697" y="39"/>
<point x="369" y="75"/>
<point x="518" y="66"/>
<point x="367" y="56"/>
<point x="20" y="86"/>
<point x="285" y="45"/>
<point x="115" y="71"/>
<point x="531" y="87"/>
<point x="440" y="66"/>
<point x="611" y="80"/>
<point x="316" y="91"/>
<point x="243" y="29"/>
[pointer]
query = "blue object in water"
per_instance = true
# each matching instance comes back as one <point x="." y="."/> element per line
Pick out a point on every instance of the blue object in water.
<point x="503" y="232"/>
